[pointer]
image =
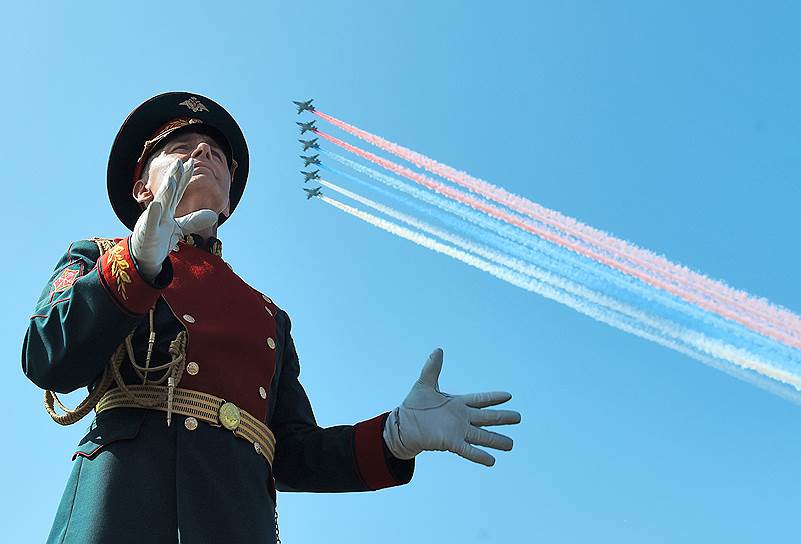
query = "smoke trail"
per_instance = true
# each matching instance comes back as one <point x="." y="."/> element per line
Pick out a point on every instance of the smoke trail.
<point x="569" y="264"/>
<point x="705" y="345"/>
<point x="743" y="318"/>
<point x="781" y="318"/>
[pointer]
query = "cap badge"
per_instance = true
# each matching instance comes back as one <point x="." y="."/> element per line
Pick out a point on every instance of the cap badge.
<point x="193" y="104"/>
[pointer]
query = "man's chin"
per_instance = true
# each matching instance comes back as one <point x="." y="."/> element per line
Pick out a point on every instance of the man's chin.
<point x="202" y="194"/>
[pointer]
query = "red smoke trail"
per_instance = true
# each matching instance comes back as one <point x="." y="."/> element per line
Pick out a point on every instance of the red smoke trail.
<point x="560" y="240"/>
<point x="781" y="319"/>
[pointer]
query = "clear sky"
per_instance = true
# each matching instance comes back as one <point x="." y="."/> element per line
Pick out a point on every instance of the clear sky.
<point x="671" y="124"/>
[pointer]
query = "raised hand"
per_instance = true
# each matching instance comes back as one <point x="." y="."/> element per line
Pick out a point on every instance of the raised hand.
<point x="157" y="230"/>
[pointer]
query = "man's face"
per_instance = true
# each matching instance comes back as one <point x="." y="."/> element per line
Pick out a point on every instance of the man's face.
<point x="210" y="185"/>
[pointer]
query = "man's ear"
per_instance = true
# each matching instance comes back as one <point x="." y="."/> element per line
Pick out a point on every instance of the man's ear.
<point x="141" y="193"/>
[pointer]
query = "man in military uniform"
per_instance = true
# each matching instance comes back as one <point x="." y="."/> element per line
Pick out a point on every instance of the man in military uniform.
<point x="192" y="373"/>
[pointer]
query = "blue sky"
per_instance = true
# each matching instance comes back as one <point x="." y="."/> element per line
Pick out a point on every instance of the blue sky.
<point x="671" y="124"/>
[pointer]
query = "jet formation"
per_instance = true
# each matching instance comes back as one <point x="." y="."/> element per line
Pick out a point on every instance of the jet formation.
<point x="306" y="105"/>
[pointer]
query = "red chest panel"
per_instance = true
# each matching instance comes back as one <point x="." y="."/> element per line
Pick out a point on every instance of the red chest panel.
<point x="231" y="334"/>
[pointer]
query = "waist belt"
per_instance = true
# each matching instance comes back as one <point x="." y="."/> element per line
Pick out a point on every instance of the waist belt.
<point x="203" y="406"/>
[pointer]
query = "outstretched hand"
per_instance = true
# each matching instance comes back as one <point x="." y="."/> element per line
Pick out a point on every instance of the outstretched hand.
<point x="431" y="420"/>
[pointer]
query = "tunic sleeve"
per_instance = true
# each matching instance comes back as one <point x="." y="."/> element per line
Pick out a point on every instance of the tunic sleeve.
<point x="88" y="307"/>
<point x="312" y="458"/>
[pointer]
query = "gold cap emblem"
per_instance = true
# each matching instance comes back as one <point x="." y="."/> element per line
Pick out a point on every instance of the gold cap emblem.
<point x="193" y="104"/>
<point x="229" y="416"/>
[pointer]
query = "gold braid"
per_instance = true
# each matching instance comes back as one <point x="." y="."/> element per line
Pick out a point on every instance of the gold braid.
<point x="176" y="365"/>
<point x="111" y="373"/>
<point x="87" y="405"/>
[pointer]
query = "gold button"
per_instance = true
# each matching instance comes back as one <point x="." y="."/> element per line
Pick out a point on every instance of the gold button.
<point x="257" y="447"/>
<point x="190" y="423"/>
<point x="188" y="318"/>
<point x="268" y="310"/>
<point x="271" y="342"/>
<point x="229" y="416"/>
<point x="267" y="299"/>
<point x="192" y="368"/>
<point x="262" y="392"/>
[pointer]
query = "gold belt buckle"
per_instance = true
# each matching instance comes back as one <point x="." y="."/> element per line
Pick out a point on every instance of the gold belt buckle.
<point x="229" y="416"/>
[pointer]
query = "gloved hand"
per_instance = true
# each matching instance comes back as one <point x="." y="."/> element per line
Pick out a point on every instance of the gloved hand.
<point x="431" y="420"/>
<point x="157" y="230"/>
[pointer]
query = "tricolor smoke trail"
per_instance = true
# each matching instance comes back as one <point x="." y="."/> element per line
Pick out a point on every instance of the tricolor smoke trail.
<point x="708" y="350"/>
<point x="762" y="312"/>
<point x="563" y="263"/>
<point x="751" y="320"/>
<point x="545" y="252"/>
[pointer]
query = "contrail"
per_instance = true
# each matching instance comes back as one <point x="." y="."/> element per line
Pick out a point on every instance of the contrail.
<point x="778" y="317"/>
<point x="744" y="318"/>
<point x="601" y="308"/>
<point x="550" y="256"/>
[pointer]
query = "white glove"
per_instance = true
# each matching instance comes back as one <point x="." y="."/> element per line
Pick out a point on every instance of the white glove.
<point x="431" y="420"/>
<point x="157" y="230"/>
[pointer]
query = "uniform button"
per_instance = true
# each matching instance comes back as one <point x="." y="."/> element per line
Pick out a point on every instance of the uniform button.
<point x="267" y="299"/>
<point x="271" y="342"/>
<point x="257" y="447"/>
<point x="262" y="392"/>
<point x="190" y="423"/>
<point x="268" y="310"/>
<point x="192" y="368"/>
<point x="188" y="318"/>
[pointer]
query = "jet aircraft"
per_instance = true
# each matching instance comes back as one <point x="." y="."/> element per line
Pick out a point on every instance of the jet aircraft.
<point x="310" y="159"/>
<point x="304" y="106"/>
<point x="307" y="126"/>
<point x="313" y="192"/>
<point x="310" y="144"/>
<point x="310" y="175"/>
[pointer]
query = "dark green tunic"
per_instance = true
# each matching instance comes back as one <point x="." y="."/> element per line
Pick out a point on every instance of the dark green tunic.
<point x="136" y="480"/>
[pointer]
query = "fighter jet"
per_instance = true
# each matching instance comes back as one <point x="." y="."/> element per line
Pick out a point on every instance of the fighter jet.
<point x="310" y="175"/>
<point x="304" y="106"/>
<point x="310" y="144"/>
<point x="307" y="126"/>
<point x="313" y="192"/>
<point x="312" y="159"/>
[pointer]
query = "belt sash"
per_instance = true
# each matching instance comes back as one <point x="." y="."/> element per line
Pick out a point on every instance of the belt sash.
<point x="202" y="406"/>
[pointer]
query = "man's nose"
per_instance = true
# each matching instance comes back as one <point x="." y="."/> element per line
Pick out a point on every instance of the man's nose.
<point x="202" y="150"/>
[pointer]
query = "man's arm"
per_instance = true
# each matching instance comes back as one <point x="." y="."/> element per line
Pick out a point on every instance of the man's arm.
<point x="312" y="458"/>
<point x="88" y="306"/>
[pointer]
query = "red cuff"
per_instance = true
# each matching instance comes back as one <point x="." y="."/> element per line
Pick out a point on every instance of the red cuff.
<point x="369" y="444"/>
<point x="123" y="281"/>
